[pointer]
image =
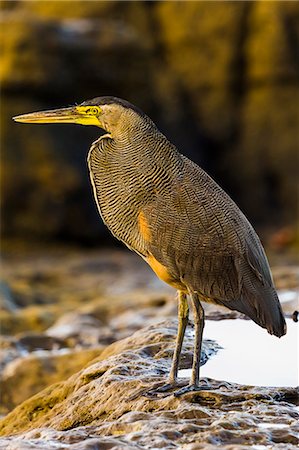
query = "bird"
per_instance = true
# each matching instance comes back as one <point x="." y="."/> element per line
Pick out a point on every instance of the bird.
<point x="168" y="210"/>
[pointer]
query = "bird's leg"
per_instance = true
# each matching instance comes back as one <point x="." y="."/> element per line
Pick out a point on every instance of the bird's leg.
<point x="183" y="313"/>
<point x="199" y="319"/>
<point x="199" y="323"/>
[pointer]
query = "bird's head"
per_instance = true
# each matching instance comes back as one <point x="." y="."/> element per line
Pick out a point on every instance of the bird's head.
<point x="109" y="113"/>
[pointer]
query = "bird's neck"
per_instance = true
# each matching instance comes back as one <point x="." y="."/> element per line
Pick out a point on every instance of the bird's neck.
<point x="142" y="142"/>
<point x="129" y="131"/>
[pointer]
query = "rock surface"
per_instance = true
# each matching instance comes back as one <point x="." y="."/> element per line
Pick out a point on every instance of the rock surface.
<point x="28" y="374"/>
<point x="109" y="338"/>
<point x="105" y="405"/>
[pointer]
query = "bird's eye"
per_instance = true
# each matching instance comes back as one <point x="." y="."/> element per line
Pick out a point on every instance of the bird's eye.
<point x="93" y="111"/>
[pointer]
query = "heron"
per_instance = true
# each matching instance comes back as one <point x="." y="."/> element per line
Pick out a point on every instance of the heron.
<point x="169" y="211"/>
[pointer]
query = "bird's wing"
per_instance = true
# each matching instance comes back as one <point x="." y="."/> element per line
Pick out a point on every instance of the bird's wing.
<point x="203" y="238"/>
<point x="254" y="256"/>
<point x="209" y="246"/>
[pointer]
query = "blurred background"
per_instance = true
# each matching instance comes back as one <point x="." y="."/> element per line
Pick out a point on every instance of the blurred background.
<point x="220" y="79"/>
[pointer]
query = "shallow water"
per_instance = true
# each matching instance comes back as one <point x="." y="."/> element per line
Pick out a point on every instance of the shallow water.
<point x="288" y="296"/>
<point x="250" y="355"/>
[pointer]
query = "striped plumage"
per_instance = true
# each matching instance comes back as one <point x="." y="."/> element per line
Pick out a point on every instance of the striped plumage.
<point x="194" y="228"/>
<point x="168" y="210"/>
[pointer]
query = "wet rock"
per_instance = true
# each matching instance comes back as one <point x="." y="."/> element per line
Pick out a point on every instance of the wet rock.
<point x="83" y="281"/>
<point x="28" y="374"/>
<point x="125" y="363"/>
<point x="79" y="329"/>
<point x="7" y="302"/>
<point x="80" y="299"/>
<point x="31" y="342"/>
<point x="34" y="318"/>
<point x="12" y="348"/>
<point x="105" y="405"/>
<point x="8" y="350"/>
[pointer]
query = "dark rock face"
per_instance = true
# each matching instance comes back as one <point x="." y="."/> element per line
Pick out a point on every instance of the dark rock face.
<point x="221" y="80"/>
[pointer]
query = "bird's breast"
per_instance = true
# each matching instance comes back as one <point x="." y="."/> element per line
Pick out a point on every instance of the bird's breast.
<point x="121" y="189"/>
<point x="164" y="274"/>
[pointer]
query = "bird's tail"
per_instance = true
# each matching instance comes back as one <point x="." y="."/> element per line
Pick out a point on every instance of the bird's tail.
<point x="262" y="306"/>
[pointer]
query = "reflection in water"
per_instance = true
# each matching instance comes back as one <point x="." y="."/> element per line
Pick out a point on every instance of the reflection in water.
<point x="250" y="355"/>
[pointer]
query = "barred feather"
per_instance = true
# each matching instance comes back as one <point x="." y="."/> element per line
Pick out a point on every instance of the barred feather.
<point x="197" y="232"/>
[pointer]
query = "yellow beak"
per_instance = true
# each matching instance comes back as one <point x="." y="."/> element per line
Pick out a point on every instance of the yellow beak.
<point x="76" y="114"/>
<point x="65" y="115"/>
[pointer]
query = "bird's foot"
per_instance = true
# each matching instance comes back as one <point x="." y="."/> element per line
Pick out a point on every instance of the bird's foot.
<point x="193" y="388"/>
<point x="164" y="390"/>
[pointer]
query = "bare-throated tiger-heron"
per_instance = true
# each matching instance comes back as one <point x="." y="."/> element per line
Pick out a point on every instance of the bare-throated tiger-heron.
<point x="169" y="211"/>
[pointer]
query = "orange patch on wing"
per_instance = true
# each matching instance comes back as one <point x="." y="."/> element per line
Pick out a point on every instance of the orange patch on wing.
<point x="144" y="227"/>
<point x="162" y="272"/>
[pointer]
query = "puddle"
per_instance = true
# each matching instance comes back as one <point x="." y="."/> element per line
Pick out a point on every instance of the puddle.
<point x="259" y="447"/>
<point x="267" y="425"/>
<point x="250" y="355"/>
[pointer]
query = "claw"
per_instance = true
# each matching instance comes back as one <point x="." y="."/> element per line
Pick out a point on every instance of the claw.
<point x="164" y="390"/>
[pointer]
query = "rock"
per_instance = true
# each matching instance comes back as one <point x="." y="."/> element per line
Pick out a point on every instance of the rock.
<point x="34" y="318"/>
<point x="33" y="341"/>
<point x="30" y="373"/>
<point x="7" y="301"/>
<point x="104" y="405"/>
<point x="68" y="305"/>
<point x="79" y="329"/>
<point x="71" y="280"/>
<point x="137" y="361"/>
<point x="20" y="346"/>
